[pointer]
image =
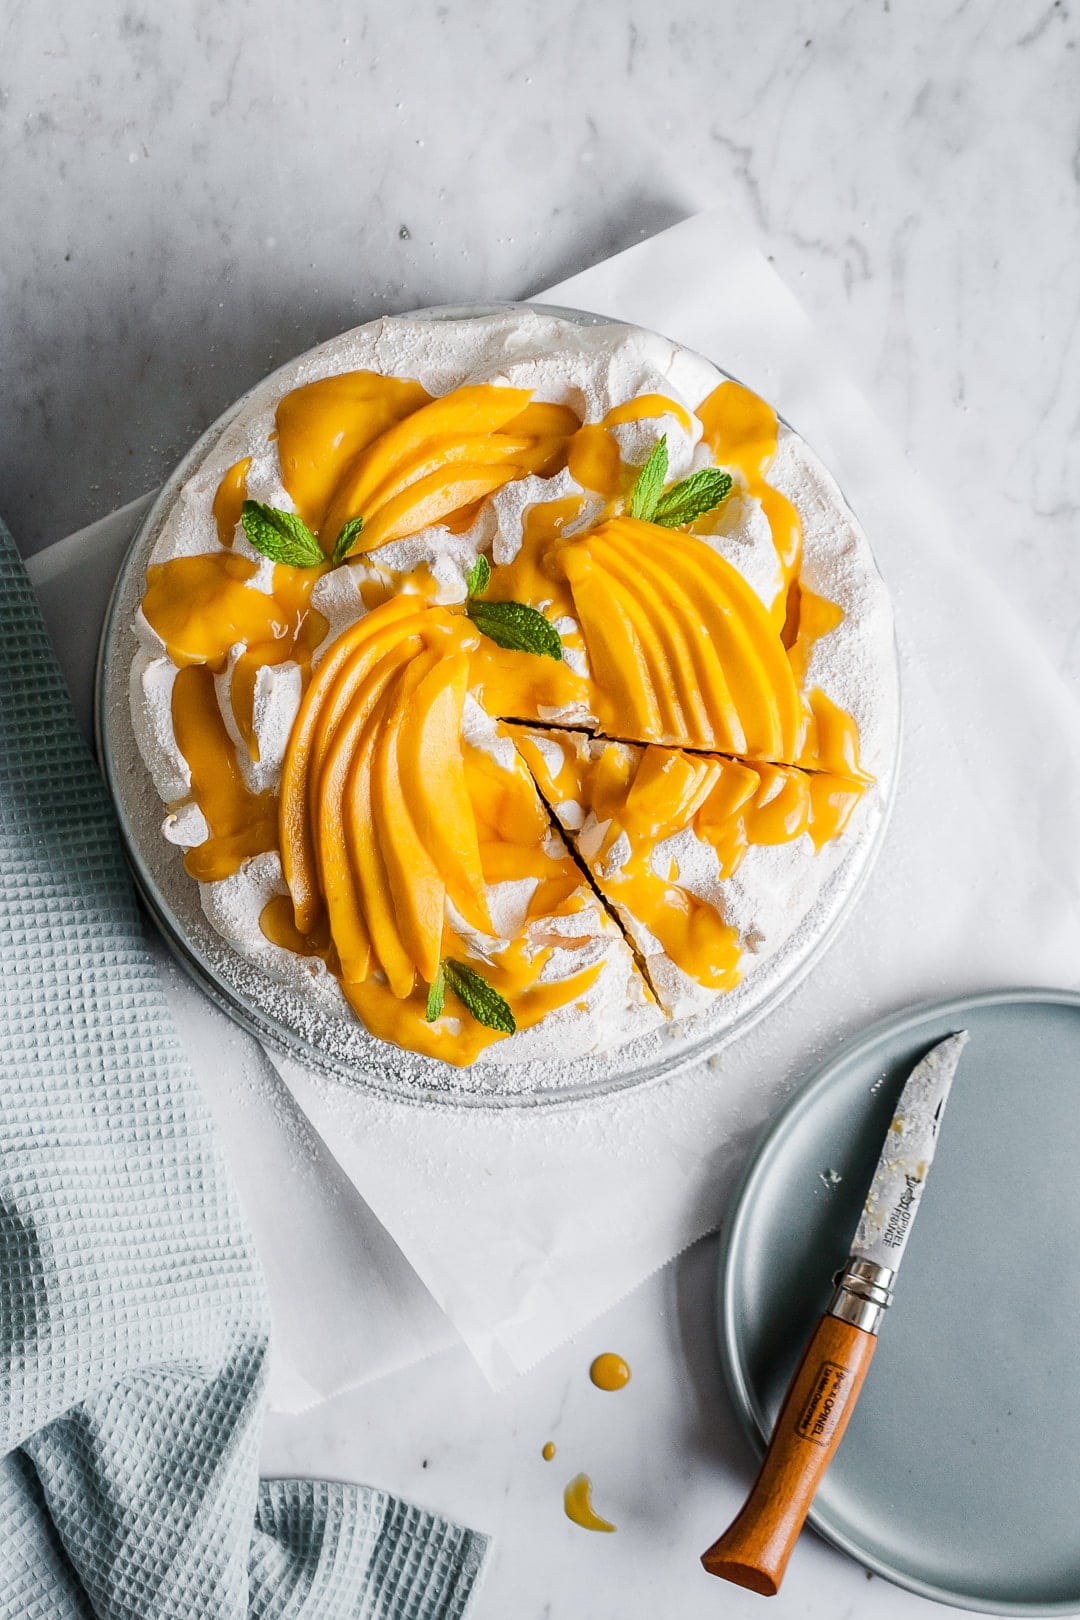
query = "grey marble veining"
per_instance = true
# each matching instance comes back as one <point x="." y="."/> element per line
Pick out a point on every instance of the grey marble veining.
<point x="202" y="190"/>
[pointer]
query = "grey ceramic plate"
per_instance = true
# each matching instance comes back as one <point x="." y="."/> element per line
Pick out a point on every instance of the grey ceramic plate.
<point x="959" y="1476"/>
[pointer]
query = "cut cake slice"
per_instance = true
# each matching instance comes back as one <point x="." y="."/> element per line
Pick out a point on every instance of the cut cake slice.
<point x="705" y="860"/>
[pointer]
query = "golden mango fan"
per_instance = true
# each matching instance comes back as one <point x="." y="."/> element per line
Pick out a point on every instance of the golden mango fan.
<point x="398" y="582"/>
<point x="379" y="832"/>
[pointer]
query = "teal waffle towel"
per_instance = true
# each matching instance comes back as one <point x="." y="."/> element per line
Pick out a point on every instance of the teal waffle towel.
<point x="133" y="1320"/>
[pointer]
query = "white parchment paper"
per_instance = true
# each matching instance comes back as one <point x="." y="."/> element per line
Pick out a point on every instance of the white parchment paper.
<point x="523" y="1227"/>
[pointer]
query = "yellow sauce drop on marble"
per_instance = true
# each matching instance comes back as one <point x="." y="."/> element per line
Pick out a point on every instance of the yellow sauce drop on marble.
<point x="548" y="1451"/>
<point x="610" y="1372"/>
<point x="577" y="1502"/>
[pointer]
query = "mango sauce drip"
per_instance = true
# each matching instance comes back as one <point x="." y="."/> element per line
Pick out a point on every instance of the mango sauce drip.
<point x="241" y="824"/>
<point x="202" y="607"/>
<point x="640" y="796"/>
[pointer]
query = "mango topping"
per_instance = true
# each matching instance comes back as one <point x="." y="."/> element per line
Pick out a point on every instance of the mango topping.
<point x="397" y="829"/>
<point x="741" y="430"/>
<point x="629" y="799"/>
<point x="680" y="648"/>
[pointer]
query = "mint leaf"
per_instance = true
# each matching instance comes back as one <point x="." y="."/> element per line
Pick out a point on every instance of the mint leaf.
<point x="350" y="533"/>
<point x="692" y="497"/>
<point x="284" y="537"/>
<point x="516" y="627"/>
<point x="436" y="996"/>
<point x="479" y="576"/>
<point x="484" y="1002"/>
<point x="650" y="482"/>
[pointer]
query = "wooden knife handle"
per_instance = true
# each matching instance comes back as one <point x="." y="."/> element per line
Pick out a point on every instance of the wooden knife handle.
<point x="754" y="1551"/>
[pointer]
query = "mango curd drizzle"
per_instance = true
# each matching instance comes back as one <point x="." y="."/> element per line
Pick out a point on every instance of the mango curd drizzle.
<point x="741" y="431"/>
<point x="609" y="1371"/>
<point x="594" y="458"/>
<point x="641" y="796"/>
<point x="229" y="500"/>
<point x="241" y="824"/>
<point x="387" y="822"/>
<point x="203" y="606"/>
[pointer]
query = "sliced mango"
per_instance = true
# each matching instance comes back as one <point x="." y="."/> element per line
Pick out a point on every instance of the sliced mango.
<point x="463" y="413"/>
<point x="323" y="426"/>
<point x="780" y="810"/>
<point x="417" y="887"/>
<point x="735" y="787"/>
<point x="750" y="656"/>
<point x="618" y="662"/>
<point x="339" y="696"/>
<point x="348" y="927"/>
<point x="489" y="450"/>
<point x="543" y="420"/>
<point x="294" y="816"/>
<point x="715" y="720"/>
<point x="432" y="766"/>
<point x="670" y="623"/>
<point x="832" y="803"/>
<point x="832" y="740"/>
<point x="363" y="853"/>
<point x="729" y="640"/>
<point x="668" y="789"/>
<point x="431" y="499"/>
<point x="721" y="820"/>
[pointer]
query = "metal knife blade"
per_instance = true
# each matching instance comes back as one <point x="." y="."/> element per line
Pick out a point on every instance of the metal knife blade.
<point x="906" y="1156"/>
<point x="754" y="1549"/>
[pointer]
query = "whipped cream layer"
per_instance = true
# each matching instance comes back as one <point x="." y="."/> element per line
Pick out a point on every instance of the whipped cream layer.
<point x="592" y="370"/>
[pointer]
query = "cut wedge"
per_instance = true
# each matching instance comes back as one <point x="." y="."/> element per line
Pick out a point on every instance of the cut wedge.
<point x="663" y="835"/>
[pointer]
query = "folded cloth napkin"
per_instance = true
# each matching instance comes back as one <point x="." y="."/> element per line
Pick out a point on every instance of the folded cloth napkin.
<point x="134" y="1326"/>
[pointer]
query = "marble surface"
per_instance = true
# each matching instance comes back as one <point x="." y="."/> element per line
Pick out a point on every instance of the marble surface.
<point x="202" y="191"/>
<point x="668" y="1466"/>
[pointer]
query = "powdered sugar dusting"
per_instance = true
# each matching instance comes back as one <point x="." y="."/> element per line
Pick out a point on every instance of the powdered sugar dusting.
<point x="295" y="998"/>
